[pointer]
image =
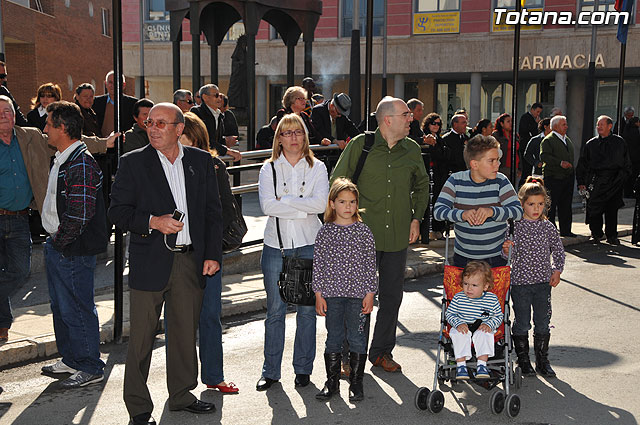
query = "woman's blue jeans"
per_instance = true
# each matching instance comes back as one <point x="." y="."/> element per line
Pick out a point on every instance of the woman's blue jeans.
<point x="210" y="329"/>
<point x="304" y="347"/>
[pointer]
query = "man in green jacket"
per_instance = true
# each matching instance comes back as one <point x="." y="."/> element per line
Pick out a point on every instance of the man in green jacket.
<point x="394" y="191"/>
<point x="556" y="154"/>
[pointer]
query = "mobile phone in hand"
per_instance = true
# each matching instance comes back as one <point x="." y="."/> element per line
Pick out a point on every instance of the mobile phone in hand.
<point x="177" y="215"/>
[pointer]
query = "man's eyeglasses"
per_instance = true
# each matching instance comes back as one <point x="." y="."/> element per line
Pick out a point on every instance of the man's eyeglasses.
<point x="290" y="133"/>
<point x="159" y="124"/>
<point x="404" y="115"/>
<point x="188" y="101"/>
<point x="216" y="95"/>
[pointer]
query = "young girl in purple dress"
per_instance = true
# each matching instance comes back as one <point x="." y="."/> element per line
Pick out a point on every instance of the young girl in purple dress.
<point x="537" y="261"/>
<point x="344" y="281"/>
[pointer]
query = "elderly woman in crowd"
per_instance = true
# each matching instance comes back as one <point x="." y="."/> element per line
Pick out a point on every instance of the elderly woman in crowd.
<point x="47" y="93"/>
<point x="301" y="194"/>
<point x="195" y="134"/>
<point x="294" y="101"/>
<point x="83" y="97"/>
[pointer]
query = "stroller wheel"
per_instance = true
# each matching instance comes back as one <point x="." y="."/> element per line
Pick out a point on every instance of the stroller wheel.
<point x="497" y="402"/>
<point x="517" y="377"/>
<point x="420" y="400"/>
<point x="435" y="401"/>
<point x="513" y="405"/>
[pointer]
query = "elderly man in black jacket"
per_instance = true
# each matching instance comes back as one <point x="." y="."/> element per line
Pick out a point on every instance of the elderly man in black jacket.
<point x="602" y="170"/>
<point x="527" y="129"/>
<point x="331" y="121"/>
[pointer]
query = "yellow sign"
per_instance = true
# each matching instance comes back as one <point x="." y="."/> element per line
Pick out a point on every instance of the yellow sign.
<point x="436" y="23"/>
<point x="502" y="26"/>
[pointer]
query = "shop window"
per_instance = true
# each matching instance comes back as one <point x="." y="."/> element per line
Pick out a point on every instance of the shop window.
<point x="106" y="22"/>
<point x="450" y="97"/>
<point x="156" y="11"/>
<point x="235" y="31"/>
<point x="411" y="90"/>
<point x="511" y="4"/>
<point x="437" y="5"/>
<point x="347" y="17"/>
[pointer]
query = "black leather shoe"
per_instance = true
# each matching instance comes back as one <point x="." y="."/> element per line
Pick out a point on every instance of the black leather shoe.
<point x="265" y="383"/>
<point x="301" y="380"/>
<point x="613" y="241"/>
<point x="200" y="407"/>
<point x="568" y="235"/>
<point x="142" y="419"/>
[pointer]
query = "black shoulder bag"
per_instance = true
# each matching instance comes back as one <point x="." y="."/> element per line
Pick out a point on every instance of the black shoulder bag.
<point x="369" y="140"/>
<point x="294" y="284"/>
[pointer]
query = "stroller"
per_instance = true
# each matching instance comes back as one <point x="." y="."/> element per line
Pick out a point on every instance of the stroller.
<point x="500" y="366"/>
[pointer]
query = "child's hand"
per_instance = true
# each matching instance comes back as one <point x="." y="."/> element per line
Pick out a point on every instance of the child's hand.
<point x="469" y="216"/>
<point x="505" y="246"/>
<point x="367" y="303"/>
<point x="463" y="328"/>
<point x="482" y="214"/>
<point x="321" y="305"/>
<point x="555" y="278"/>
<point x="485" y="328"/>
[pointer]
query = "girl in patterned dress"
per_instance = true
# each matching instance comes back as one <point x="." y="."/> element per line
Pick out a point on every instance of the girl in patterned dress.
<point x="537" y="261"/>
<point x="344" y="281"/>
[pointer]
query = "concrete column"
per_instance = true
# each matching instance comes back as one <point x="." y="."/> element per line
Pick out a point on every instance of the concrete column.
<point x="398" y="86"/>
<point x="261" y="101"/>
<point x="476" y="96"/>
<point x="560" y="98"/>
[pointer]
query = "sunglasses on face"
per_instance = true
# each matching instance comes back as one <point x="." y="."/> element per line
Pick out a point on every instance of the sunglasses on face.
<point x="159" y="124"/>
<point x="438" y="123"/>
<point x="188" y="101"/>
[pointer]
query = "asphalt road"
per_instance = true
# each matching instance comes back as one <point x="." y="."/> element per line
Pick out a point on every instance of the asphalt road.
<point x="595" y="339"/>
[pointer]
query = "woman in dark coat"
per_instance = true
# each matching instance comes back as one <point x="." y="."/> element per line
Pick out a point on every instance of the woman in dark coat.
<point x="47" y="93"/>
<point x="434" y="153"/>
<point x="195" y="134"/>
<point x="503" y="134"/>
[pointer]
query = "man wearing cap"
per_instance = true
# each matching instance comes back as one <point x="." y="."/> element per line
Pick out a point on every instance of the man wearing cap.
<point x="331" y="120"/>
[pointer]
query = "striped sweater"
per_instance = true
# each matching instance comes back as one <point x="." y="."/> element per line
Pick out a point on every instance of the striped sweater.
<point x="463" y="309"/>
<point x="461" y="193"/>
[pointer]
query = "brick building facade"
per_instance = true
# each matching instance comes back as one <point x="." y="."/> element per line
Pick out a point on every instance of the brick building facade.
<point x="60" y="41"/>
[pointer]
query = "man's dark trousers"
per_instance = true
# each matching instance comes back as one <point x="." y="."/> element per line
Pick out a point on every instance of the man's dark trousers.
<point x="182" y="298"/>
<point x="561" y="193"/>
<point x="75" y="318"/>
<point x="391" y="267"/>
<point x="15" y="260"/>
<point x="610" y="220"/>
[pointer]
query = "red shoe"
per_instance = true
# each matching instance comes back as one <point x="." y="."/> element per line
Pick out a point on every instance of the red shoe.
<point x="229" y="388"/>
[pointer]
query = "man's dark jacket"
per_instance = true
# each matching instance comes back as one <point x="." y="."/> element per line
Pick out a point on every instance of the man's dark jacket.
<point x="126" y="111"/>
<point x="20" y="119"/>
<point x="204" y="113"/>
<point x="455" y="144"/>
<point x="141" y="190"/>
<point x="322" y="123"/>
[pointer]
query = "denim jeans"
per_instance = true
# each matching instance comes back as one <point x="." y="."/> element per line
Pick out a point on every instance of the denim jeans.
<point x="524" y="297"/>
<point x="304" y="346"/>
<point x="15" y="260"/>
<point x="75" y="318"/>
<point x="210" y="329"/>
<point x="346" y="313"/>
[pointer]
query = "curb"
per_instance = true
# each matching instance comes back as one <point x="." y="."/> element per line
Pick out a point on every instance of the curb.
<point x="44" y="346"/>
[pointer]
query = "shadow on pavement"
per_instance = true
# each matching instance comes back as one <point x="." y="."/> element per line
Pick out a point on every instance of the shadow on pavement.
<point x="606" y="297"/>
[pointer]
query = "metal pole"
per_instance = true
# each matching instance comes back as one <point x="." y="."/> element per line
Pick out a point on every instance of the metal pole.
<point x="589" y="103"/>
<point x="141" y="90"/>
<point x="623" y="52"/>
<point x="251" y="91"/>
<point x="384" y="52"/>
<point x="291" y="50"/>
<point x="368" y="63"/>
<point x="118" y="279"/>
<point x="214" y="63"/>
<point x="2" y="57"/>
<point x="175" y="47"/>
<point x="354" y="66"/>
<point x="514" y="96"/>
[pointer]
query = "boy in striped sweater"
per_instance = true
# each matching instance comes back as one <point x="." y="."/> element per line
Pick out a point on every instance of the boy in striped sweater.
<point x="479" y="201"/>
<point x="474" y="314"/>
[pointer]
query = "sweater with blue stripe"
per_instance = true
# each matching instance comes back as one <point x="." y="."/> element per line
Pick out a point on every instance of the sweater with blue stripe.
<point x="463" y="309"/>
<point x="459" y="194"/>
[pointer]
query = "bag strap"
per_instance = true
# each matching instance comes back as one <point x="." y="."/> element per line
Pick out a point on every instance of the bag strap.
<point x="369" y="140"/>
<point x="275" y="191"/>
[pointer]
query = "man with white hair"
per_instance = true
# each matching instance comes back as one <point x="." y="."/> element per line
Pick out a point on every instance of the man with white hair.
<point x="556" y="154"/>
<point x="394" y="191"/>
<point x="103" y="106"/>
<point x="628" y="113"/>
<point x="183" y="99"/>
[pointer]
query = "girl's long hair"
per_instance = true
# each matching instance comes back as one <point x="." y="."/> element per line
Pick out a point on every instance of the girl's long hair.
<point x="339" y="185"/>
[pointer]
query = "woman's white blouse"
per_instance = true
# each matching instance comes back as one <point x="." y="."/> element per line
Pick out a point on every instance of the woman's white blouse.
<point x="299" y="203"/>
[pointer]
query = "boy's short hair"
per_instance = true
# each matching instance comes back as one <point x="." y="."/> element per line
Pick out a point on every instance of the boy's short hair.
<point x="477" y="146"/>
<point x="479" y="267"/>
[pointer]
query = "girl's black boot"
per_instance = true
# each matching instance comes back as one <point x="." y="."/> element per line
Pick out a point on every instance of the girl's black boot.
<point x="541" y="348"/>
<point x="357" y="361"/>
<point x="332" y="364"/>
<point x="521" y="344"/>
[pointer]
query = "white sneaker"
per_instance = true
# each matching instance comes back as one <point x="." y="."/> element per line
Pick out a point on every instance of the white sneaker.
<point x="58" y="367"/>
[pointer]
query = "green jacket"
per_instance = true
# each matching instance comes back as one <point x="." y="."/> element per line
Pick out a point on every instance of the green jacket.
<point x="393" y="185"/>
<point x="552" y="153"/>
